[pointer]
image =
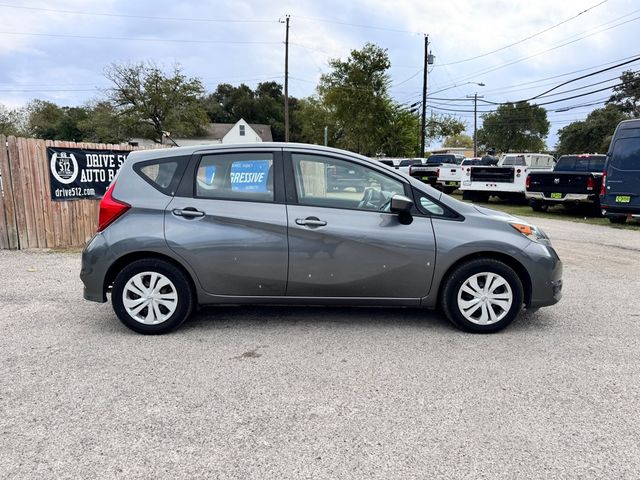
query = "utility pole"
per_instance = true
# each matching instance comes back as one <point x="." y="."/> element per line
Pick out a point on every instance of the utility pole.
<point x="326" y="135"/>
<point x="286" y="83"/>
<point x="475" y="122"/>
<point x="424" y="95"/>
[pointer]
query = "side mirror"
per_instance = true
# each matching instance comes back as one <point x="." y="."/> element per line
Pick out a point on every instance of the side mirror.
<point x="400" y="204"/>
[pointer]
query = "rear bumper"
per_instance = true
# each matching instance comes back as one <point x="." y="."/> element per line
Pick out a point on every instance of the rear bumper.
<point x="569" y="197"/>
<point x="619" y="210"/>
<point x="92" y="272"/>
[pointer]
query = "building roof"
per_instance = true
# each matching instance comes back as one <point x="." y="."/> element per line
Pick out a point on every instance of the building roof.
<point x="216" y="131"/>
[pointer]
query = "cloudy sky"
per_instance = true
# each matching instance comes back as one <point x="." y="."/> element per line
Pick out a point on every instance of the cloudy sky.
<point x="58" y="50"/>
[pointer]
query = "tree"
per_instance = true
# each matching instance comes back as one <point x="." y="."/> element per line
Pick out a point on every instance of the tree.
<point x="12" y="121"/>
<point x="105" y="124"/>
<point x="627" y="95"/>
<point x="460" y="140"/>
<point x="157" y="101"/>
<point x="356" y="93"/>
<point x="592" y="134"/>
<point x="517" y="126"/>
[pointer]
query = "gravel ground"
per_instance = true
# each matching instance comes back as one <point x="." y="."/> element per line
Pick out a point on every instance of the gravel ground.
<point x="329" y="393"/>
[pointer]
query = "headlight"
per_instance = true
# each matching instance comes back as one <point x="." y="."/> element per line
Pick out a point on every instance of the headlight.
<point x="532" y="232"/>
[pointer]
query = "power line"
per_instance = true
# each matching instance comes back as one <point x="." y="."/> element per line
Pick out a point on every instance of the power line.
<point x="139" y="17"/>
<point x="359" y="25"/>
<point x="557" y="46"/>
<point x="142" y="39"/>
<point x="524" y="39"/>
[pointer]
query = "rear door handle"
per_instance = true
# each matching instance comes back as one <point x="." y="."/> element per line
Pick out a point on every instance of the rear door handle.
<point x="311" y="222"/>
<point x="188" y="212"/>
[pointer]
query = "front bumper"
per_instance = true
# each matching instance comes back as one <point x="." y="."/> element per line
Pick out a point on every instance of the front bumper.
<point x="545" y="270"/>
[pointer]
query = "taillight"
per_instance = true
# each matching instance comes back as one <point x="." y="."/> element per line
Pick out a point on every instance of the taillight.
<point x="110" y="209"/>
<point x="527" y="182"/>
<point x="410" y="167"/>
<point x="438" y="172"/>
<point x="591" y="184"/>
<point x="604" y="180"/>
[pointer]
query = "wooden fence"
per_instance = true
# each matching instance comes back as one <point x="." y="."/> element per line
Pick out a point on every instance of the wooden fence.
<point x="28" y="216"/>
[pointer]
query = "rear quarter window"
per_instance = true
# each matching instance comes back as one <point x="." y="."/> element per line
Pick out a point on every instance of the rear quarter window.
<point x="164" y="175"/>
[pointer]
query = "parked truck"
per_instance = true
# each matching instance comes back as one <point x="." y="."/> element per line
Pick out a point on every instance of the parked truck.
<point x="450" y="176"/>
<point x="507" y="180"/>
<point x="575" y="180"/>
<point x="428" y="172"/>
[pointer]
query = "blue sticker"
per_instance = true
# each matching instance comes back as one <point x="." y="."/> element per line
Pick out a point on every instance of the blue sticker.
<point x="250" y="176"/>
<point x="209" y="174"/>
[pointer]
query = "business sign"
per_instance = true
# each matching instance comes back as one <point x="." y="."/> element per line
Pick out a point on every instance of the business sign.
<point x="77" y="173"/>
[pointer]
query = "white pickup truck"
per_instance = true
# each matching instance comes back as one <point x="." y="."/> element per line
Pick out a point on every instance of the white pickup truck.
<point x="450" y="176"/>
<point x="507" y="180"/>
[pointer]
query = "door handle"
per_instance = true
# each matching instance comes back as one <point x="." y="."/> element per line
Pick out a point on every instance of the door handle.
<point x="188" y="212"/>
<point x="311" y="222"/>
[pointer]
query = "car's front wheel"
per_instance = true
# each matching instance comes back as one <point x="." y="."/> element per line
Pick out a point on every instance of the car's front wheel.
<point x="482" y="296"/>
<point x="152" y="296"/>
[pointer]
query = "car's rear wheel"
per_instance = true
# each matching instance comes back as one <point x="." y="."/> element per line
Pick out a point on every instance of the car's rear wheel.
<point x="152" y="296"/>
<point x="539" y="206"/>
<point x="619" y="219"/>
<point x="482" y="296"/>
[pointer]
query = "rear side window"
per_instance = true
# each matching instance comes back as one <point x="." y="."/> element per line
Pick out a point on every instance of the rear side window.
<point x="626" y="154"/>
<point x="441" y="159"/>
<point x="239" y="176"/>
<point x="514" y="160"/>
<point x="163" y="175"/>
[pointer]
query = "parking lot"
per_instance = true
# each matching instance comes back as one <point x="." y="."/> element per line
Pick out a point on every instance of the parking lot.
<point x="270" y="392"/>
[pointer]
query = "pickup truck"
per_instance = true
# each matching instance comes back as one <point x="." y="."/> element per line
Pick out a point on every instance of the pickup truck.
<point x="406" y="163"/>
<point x="428" y="172"/>
<point x="575" y="180"/>
<point x="507" y="180"/>
<point x="450" y="176"/>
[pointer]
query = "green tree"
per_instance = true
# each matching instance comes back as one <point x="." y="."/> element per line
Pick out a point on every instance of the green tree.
<point x="591" y="135"/>
<point x="627" y="95"/>
<point x="105" y="124"/>
<point x="401" y="139"/>
<point x="50" y="121"/>
<point x="460" y="140"/>
<point x="520" y="127"/>
<point x="12" y="121"/>
<point x="356" y="92"/>
<point x="157" y="101"/>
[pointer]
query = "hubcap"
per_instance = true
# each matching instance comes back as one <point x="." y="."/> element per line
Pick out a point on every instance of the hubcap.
<point x="150" y="298"/>
<point x="485" y="298"/>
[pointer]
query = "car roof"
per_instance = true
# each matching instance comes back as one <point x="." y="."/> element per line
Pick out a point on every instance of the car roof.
<point x="139" y="155"/>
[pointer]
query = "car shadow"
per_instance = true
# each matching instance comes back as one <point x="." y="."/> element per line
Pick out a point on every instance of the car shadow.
<point x="217" y="317"/>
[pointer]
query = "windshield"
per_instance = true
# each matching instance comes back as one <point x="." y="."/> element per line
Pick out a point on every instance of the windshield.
<point x="474" y="161"/>
<point x="580" y="163"/>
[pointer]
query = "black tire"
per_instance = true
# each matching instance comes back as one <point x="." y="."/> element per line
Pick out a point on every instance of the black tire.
<point x="454" y="282"/>
<point x="449" y="190"/>
<point x="539" y="206"/>
<point x="185" y="295"/>
<point x="618" y="219"/>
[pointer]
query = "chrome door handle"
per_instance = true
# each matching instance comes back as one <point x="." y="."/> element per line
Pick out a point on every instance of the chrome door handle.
<point x="188" y="212"/>
<point x="311" y="222"/>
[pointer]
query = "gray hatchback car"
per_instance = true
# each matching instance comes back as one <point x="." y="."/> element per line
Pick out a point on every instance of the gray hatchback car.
<point x="265" y="224"/>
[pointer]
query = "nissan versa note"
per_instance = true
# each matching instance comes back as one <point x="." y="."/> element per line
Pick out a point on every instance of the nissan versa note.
<point x="263" y="224"/>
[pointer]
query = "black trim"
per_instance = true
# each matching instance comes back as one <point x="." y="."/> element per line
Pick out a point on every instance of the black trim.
<point x="171" y="189"/>
<point x="449" y="214"/>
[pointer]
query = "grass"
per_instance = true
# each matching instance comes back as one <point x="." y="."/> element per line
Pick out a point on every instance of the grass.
<point x="557" y="212"/>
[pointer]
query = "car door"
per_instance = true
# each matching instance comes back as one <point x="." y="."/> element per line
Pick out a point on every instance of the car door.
<point x="347" y="243"/>
<point x="622" y="185"/>
<point x="229" y="223"/>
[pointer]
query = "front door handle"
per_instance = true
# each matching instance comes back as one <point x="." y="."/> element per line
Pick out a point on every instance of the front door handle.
<point x="311" y="222"/>
<point x="188" y="212"/>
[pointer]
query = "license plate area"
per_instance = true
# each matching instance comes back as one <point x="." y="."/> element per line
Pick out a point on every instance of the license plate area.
<point x="556" y="196"/>
<point x="623" y="198"/>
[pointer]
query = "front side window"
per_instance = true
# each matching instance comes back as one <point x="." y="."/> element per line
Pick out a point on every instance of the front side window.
<point x="331" y="182"/>
<point x="238" y="176"/>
